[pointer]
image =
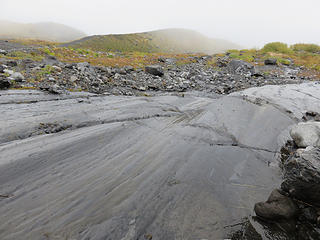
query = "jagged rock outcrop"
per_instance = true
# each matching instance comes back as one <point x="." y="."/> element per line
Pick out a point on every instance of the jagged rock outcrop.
<point x="302" y="176"/>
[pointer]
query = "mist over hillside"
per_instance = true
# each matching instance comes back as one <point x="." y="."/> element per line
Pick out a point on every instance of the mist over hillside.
<point x="166" y="40"/>
<point x="43" y="31"/>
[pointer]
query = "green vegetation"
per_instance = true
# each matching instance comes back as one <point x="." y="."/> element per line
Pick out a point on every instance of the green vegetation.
<point x="47" y="70"/>
<point x="245" y="55"/>
<point x="165" y="41"/>
<point x="47" y="51"/>
<point x="24" y="55"/>
<point x="305" y="55"/>
<point x="310" y="48"/>
<point x="277" y="47"/>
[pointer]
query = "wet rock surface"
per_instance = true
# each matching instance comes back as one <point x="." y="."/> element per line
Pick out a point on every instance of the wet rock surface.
<point x="295" y="213"/>
<point x="171" y="166"/>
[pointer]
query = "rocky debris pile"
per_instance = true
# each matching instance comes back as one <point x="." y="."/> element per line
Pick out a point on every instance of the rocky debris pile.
<point x="231" y="75"/>
<point x="298" y="200"/>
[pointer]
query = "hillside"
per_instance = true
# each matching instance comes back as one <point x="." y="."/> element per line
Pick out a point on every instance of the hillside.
<point x="43" y="31"/>
<point x="168" y="40"/>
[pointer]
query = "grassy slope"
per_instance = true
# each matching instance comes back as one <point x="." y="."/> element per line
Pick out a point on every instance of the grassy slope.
<point x="169" y="41"/>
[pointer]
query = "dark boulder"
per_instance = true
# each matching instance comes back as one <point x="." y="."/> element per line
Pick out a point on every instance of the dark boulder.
<point x="270" y="61"/>
<point x="154" y="70"/>
<point x="1" y="69"/>
<point x="302" y="176"/>
<point x="11" y="63"/>
<point x="4" y="83"/>
<point x="277" y="207"/>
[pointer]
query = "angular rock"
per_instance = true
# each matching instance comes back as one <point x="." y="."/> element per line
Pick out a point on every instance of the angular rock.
<point x="128" y="69"/>
<point x="270" y="61"/>
<point x="121" y="71"/>
<point x="18" y="77"/>
<point x="4" y="52"/>
<point x="56" y="68"/>
<point x="240" y="67"/>
<point x="256" y="72"/>
<point x="154" y="70"/>
<point x="50" y="60"/>
<point x="53" y="89"/>
<point x="222" y="62"/>
<point x="162" y="59"/>
<point x="4" y="83"/>
<point x="2" y="69"/>
<point x="277" y="207"/>
<point x="10" y="72"/>
<point x="306" y="134"/>
<point x="302" y="176"/>
<point x="73" y="78"/>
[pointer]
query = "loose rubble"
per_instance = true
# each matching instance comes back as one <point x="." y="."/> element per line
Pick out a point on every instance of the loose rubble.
<point x="230" y="75"/>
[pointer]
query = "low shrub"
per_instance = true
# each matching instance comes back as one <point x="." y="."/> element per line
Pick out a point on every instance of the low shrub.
<point x="277" y="47"/>
<point x="311" y="48"/>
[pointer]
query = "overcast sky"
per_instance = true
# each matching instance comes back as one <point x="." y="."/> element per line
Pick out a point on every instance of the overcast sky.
<point x="250" y="23"/>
